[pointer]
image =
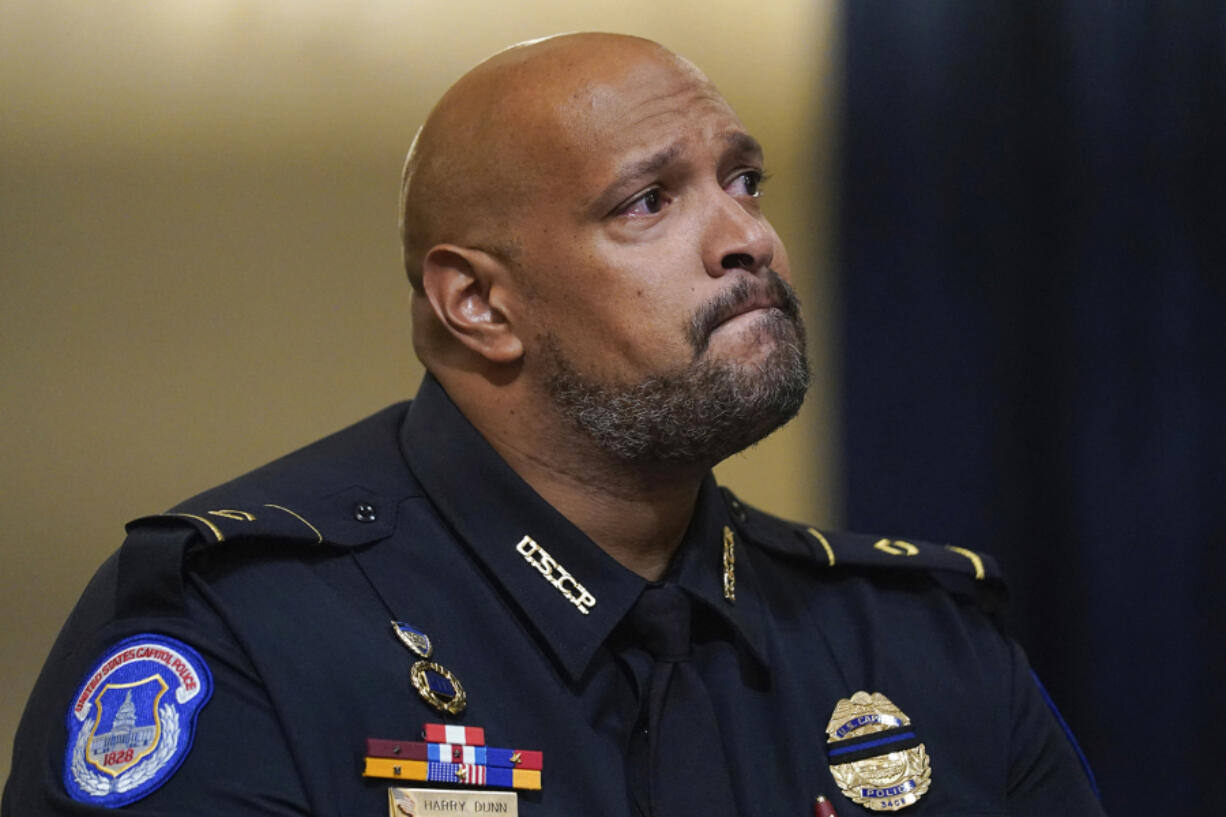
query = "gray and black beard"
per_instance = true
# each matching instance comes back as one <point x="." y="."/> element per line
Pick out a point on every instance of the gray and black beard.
<point x="701" y="414"/>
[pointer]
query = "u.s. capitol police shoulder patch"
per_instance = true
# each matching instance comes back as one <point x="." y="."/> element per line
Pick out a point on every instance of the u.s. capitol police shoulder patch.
<point x="132" y="721"/>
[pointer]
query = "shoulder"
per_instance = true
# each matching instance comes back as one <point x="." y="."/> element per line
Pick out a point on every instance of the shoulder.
<point x="959" y="570"/>
<point x="322" y="484"/>
<point x="341" y="492"/>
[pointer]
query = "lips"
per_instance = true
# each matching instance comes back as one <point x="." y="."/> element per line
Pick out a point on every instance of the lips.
<point x="745" y="308"/>
<point x="746" y="295"/>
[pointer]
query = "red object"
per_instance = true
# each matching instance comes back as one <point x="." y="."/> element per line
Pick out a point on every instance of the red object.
<point x="823" y="808"/>
<point x="464" y="735"/>
<point x="401" y="749"/>
<point x="529" y="759"/>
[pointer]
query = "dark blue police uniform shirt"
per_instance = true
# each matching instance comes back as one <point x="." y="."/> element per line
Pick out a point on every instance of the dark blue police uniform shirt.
<point x="410" y="515"/>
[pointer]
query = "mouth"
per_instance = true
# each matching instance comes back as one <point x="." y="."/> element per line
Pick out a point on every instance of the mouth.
<point x="748" y="297"/>
<point x="747" y="308"/>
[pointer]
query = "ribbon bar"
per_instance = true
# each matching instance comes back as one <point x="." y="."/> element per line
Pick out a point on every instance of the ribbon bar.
<point x="455" y="753"/>
<point x="468" y="774"/>
<point x="446" y="733"/>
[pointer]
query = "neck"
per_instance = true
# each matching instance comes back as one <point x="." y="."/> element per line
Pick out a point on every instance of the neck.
<point x="637" y="516"/>
<point x="636" y="512"/>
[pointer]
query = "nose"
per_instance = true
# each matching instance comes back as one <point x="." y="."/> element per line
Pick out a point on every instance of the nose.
<point x="738" y="238"/>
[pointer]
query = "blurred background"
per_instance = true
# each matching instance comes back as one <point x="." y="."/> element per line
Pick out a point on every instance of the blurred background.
<point x="1006" y="221"/>
<point x="1032" y="261"/>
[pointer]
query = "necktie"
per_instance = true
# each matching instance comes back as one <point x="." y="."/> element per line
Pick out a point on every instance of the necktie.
<point x="681" y="764"/>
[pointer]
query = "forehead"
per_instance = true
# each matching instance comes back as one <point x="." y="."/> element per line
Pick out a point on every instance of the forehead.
<point x="638" y="91"/>
<point x="644" y="108"/>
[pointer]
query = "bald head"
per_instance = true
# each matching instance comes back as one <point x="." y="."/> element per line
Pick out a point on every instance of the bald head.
<point x="593" y="273"/>
<point x="523" y="115"/>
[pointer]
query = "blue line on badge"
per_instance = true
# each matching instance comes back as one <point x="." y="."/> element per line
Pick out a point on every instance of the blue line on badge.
<point x="859" y="747"/>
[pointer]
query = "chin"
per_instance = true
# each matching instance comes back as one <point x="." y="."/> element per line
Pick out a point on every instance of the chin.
<point x="700" y="415"/>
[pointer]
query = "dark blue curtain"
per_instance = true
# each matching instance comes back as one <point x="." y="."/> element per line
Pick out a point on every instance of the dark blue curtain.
<point x="1033" y="275"/>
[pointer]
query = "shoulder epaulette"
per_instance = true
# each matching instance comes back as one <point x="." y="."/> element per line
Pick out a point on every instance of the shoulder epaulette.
<point x="354" y="516"/>
<point x="959" y="569"/>
<point x="153" y="554"/>
<point x="342" y="491"/>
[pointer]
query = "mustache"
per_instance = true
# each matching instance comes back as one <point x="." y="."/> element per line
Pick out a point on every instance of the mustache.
<point x="745" y="294"/>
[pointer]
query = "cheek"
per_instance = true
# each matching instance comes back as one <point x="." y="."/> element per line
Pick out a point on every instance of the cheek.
<point x="635" y="326"/>
<point x="624" y="335"/>
<point x="621" y="309"/>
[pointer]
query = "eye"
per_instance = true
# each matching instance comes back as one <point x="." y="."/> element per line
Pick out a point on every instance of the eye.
<point x="647" y="203"/>
<point x="747" y="183"/>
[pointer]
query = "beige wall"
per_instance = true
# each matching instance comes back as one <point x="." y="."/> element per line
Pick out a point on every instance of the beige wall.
<point x="198" y="258"/>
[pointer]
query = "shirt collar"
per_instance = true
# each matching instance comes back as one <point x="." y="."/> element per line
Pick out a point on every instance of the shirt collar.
<point x="491" y="509"/>
<point x="699" y="568"/>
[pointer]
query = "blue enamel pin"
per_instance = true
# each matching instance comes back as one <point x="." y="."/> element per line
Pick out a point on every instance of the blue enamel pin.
<point x="413" y="638"/>
<point x="132" y="721"/>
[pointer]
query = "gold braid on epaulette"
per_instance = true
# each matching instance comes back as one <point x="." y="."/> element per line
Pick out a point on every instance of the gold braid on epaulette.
<point x="854" y="549"/>
<point x="832" y="549"/>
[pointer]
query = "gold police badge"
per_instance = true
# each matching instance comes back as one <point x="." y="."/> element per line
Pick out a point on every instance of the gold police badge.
<point x="875" y="756"/>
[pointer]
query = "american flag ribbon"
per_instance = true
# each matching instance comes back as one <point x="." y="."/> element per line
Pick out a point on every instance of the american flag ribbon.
<point x="468" y="773"/>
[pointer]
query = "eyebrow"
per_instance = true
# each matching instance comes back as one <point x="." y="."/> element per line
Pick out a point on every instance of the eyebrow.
<point x="743" y="143"/>
<point x="631" y="173"/>
<point x="738" y="142"/>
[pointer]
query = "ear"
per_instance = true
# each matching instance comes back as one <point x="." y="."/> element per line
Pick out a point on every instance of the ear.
<point x="469" y="291"/>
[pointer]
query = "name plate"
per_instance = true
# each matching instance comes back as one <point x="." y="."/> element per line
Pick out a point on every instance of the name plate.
<point x="449" y="802"/>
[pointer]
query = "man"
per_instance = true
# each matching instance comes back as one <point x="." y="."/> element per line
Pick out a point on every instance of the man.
<point x="534" y="552"/>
